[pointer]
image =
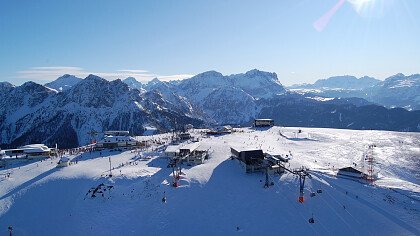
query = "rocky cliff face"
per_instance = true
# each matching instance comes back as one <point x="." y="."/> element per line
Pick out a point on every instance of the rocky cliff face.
<point x="32" y="113"/>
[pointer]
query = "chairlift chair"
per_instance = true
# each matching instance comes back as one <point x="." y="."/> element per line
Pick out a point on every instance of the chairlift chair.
<point x="312" y="220"/>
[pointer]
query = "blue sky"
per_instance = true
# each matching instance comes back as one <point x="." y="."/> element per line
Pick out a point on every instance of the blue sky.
<point x="175" y="39"/>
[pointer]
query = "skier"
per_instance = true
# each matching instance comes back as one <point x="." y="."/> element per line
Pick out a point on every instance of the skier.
<point x="164" y="197"/>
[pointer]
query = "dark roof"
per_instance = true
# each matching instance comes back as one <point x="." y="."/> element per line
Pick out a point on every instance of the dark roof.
<point x="350" y="169"/>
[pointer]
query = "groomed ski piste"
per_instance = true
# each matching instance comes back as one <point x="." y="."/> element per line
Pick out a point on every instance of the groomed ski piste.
<point x="218" y="197"/>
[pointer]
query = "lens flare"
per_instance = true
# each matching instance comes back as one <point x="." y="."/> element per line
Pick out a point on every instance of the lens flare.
<point x="322" y="22"/>
<point x="364" y="8"/>
<point x="360" y="4"/>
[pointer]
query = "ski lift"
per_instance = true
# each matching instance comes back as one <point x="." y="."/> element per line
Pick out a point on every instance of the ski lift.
<point x="301" y="199"/>
<point x="312" y="220"/>
<point x="319" y="191"/>
<point x="312" y="194"/>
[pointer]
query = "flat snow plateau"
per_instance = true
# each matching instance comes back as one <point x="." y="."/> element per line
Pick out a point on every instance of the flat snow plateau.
<point x="218" y="197"/>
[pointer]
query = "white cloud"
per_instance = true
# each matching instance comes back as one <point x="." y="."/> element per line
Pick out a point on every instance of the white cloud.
<point x="47" y="74"/>
<point x="134" y="71"/>
<point x="174" y="77"/>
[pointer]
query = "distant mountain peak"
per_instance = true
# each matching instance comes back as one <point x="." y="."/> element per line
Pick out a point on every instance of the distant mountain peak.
<point x="210" y="73"/>
<point x="6" y="85"/>
<point x="398" y="75"/>
<point x="63" y="82"/>
<point x="154" y="81"/>
<point x="30" y="84"/>
<point x="65" y="76"/>
<point x="94" y="78"/>
<point x="130" y="79"/>
<point x="133" y="83"/>
<point x="345" y="82"/>
<point x="256" y="72"/>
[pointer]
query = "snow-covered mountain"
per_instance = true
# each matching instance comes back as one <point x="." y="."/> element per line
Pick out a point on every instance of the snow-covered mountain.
<point x="32" y="113"/>
<point x="396" y="91"/>
<point x="299" y="110"/>
<point x="258" y="84"/>
<point x="345" y="82"/>
<point x="64" y="82"/>
<point x="133" y="83"/>
<point x="6" y="87"/>
<point x="230" y="106"/>
<point x="230" y="99"/>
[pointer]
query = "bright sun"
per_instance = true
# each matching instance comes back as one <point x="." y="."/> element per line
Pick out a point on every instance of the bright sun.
<point x="359" y="3"/>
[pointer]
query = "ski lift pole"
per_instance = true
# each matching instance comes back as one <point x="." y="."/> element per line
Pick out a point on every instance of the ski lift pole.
<point x="175" y="181"/>
<point x="110" y="174"/>
<point x="267" y="184"/>
<point x="302" y="178"/>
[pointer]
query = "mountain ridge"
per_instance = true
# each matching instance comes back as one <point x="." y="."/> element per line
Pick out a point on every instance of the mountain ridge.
<point x="34" y="113"/>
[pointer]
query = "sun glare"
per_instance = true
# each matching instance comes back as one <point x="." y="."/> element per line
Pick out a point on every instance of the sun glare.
<point x="359" y="4"/>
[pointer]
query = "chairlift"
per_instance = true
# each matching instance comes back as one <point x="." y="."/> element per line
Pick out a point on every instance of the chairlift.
<point x="312" y="220"/>
<point x="312" y="194"/>
<point x="319" y="191"/>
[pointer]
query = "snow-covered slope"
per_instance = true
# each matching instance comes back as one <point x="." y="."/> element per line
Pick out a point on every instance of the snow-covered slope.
<point x="217" y="197"/>
<point x="64" y="82"/>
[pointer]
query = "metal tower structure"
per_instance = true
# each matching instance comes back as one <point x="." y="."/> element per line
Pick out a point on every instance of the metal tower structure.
<point x="370" y="164"/>
<point x="302" y="173"/>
